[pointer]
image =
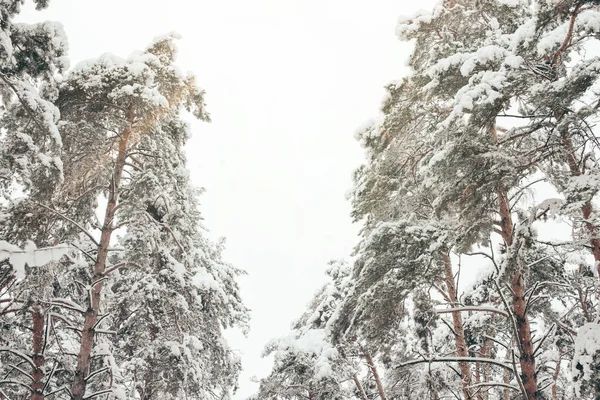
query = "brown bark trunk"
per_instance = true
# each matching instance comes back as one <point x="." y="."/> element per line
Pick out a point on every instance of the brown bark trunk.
<point x="375" y="373"/>
<point x="91" y="316"/>
<point x="555" y="379"/>
<point x="486" y="351"/>
<point x="517" y="285"/>
<point x="359" y="387"/>
<point x="459" y="337"/>
<point x="506" y="394"/>
<point x="38" y="357"/>
<point x="357" y="383"/>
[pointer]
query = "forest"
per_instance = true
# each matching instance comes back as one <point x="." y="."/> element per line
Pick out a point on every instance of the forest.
<point x="476" y="275"/>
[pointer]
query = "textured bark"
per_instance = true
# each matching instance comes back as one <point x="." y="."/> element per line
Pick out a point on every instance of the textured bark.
<point x="38" y="357"/>
<point x="555" y="379"/>
<point x="526" y="359"/>
<point x="91" y="316"/>
<point x="506" y="393"/>
<point x="519" y="304"/>
<point x="517" y="285"/>
<point x="375" y="373"/>
<point x="459" y="337"/>
<point x="485" y="351"/>
<point x="359" y="387"/>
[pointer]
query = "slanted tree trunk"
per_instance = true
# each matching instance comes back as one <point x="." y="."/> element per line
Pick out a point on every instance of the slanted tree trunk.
<point x="361" y="391"/>
<point x="555" y="379"/>
<point x="359" y="387"/>
<point x="38" y="352"/>
<point x="375" y="373"/>
<point x="91" y="315"/>
<point x="459" y="337"/>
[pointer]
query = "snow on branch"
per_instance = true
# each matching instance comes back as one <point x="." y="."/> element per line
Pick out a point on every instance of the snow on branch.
<point x="30" y="255"/>
<point x="473" y="308"/>
<point x="18" y="354"/>
<point x="456" y="359"/>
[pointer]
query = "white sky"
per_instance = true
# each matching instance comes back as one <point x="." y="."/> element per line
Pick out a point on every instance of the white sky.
<point x="288" y="82"/>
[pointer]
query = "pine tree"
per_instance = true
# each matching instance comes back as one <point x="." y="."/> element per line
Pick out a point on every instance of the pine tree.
<point x="122" y="142"/>
<point x="445" y="180"/>
<point x="307" y="363"/>
<point x="173" y="294"/>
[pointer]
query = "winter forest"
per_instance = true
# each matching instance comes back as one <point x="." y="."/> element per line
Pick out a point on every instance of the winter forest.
<point x="475" y="276"/>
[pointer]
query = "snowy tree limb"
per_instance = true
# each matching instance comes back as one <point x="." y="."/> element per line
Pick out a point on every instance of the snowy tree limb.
<point x="100" y="393"/>
<point x="11" y="382"/>
<point x="83" y="230"/>
<point x="18" y="354"/>
<point x="456" y="359"/>
<point x="473" y="308"/>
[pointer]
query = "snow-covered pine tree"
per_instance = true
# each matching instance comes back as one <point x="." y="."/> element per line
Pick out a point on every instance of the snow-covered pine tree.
<point x="121" y="118"/>
<point x="404" y="252"/>
<point x="474" y="69"/>
<point x="546" y="72"/>
<point x="30" y="145"/>
<point x="31" y="56"/>
<point x="466" y="74"/>
<point x="173" y="294"/>
<point x="122" y="139"/>
<point x="307" y="363"/>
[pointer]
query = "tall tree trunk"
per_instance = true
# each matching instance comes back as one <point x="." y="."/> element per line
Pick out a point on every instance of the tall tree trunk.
<point x="517" y="285"/>
<point x="506" y="379"/>
<point x="459" y="337"/>
<point x="91" y="316"/>
<point x="37" y="384"/>
<point x="375" y="373"/>
<point x="359" y="387"/>
<point x="555" y="379"/>
<point x="486" y="352"/>
<point x="519" y="304"/>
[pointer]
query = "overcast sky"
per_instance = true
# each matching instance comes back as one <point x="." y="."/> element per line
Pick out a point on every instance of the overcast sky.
<point x="288" y="82"/>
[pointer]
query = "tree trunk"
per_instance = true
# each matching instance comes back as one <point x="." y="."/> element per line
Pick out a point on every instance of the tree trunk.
<point x="587" y="209"/>
<point x="37" y="384"/>
<point x="517" y="284"/>
<point x="486" y="352"/>
<point x="91" y="316"/>
<point x="361" y="391"/>
<point x="373" y="369"/>
<point x="459" y="337"/>
<point x="506" y="380"/>
<point x="555" y="379"/>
